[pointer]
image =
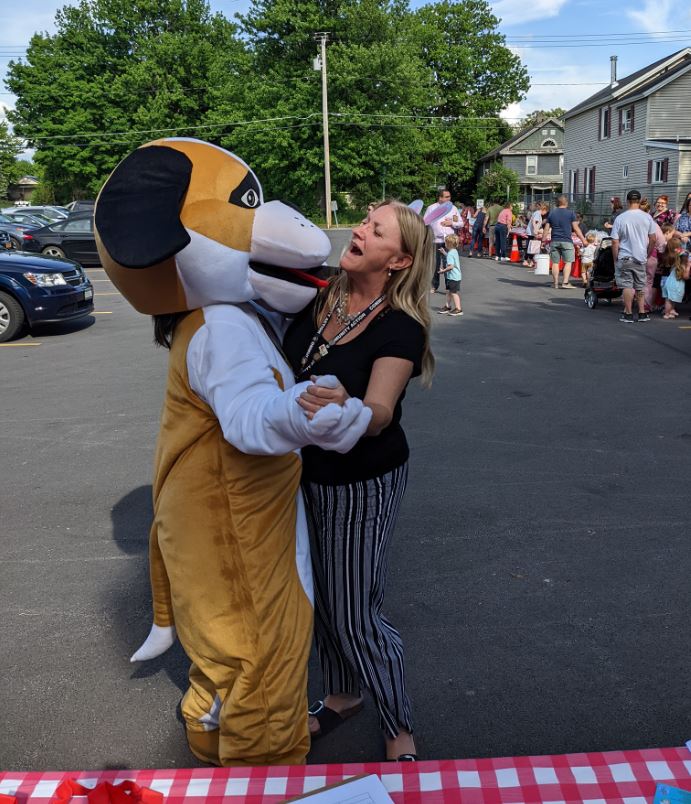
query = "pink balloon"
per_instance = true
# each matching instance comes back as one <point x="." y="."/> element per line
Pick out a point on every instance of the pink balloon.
<point x="442" y="211"/>
<point x="417" y="206"/>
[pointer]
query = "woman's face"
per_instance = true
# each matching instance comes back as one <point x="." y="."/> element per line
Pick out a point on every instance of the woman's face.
<point x="376" y="244"/>
<point x="660" y="205"/>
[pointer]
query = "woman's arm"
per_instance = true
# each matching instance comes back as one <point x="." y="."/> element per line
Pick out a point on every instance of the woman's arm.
<point x="386" y="383"/>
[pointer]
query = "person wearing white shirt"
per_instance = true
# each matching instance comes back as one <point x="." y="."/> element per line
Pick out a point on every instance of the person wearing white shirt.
<point x="442" y="228"/>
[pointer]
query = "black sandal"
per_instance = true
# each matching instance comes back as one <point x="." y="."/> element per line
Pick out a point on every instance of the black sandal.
<point x="330" y="719"/>
<point x="406" y="758"/>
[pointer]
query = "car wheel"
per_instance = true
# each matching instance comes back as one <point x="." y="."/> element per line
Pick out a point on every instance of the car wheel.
<point x="53" y="251"/>
<point x="15" y="243"/>
<point x="11" y="317"/>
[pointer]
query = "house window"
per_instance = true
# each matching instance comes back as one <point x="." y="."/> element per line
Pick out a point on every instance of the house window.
<point x="544" y="132"/>
<point x="659" y="170"/>
<point x="625" y="172"/>
<point x="531" y="166"/>
<point x="589" y="182"/>
<point x="573" y="184"/>
<point x="605" y="123"/>
<point x="561" y="165"/>
<point x="552" y="132"/>
<point x="549" y="144"/>
<point x="627" y="119"/>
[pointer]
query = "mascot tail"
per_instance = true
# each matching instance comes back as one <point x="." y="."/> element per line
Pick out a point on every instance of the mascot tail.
<point x="162" y="634"/>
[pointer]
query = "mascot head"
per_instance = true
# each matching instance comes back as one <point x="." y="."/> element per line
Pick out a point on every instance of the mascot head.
<point x="181" y="224"/>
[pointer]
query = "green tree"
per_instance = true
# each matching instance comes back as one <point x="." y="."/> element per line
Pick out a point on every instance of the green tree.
<point x="536" y="117"/>
<point x="118" y="69"/>
<point x="499" y="184"/>
<point x="10" y="148"/>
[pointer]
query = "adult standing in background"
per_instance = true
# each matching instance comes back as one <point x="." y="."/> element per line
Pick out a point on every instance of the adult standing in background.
<point x="633" y="241"/>
<point x="617" y="209"/>
<point x="683" y="222"/>
<point x="662" y="214"/>
<point x="652" y="261"/>
<point x="441" y="229"/>
<point x="534" y="231"/>
<point x="492" y="215"/>
<point x="561" y="223"/>
<point x="501" y="232"/>
<point x="479" y="231"/>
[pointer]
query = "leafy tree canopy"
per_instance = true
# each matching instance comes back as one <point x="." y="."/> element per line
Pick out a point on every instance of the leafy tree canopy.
<point x="499" y="184"/>
<point x="10" y="148"/>
<point x="414" y="97"/>
<point x="536" y="117"/>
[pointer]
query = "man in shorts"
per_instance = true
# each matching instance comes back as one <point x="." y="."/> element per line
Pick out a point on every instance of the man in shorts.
<point x="633" y="241"/>
<point x="561" y="222"/>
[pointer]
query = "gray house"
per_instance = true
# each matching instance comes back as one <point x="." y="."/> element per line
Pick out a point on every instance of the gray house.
<point x="536" y="154"/>
<point x="635" y="133"/>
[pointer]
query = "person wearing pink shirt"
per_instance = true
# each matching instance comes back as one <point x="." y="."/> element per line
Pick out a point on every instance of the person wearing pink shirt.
<point x="501" y="232"/>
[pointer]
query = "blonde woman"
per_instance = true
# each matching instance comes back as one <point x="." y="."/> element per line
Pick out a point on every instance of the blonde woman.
<point x="370" y="328"/>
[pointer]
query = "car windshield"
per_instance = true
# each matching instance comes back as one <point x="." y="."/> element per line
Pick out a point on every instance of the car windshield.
<point x="5" y="219"/>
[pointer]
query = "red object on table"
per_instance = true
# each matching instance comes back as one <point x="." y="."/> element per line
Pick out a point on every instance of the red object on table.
<point x="105" y="792"/>
<point x="617" y="777"/>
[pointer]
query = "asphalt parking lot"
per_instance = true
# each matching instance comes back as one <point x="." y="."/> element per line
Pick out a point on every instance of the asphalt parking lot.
<point x="540" y="571"/>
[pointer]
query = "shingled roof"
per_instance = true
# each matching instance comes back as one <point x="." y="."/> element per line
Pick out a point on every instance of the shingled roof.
<point x="658" y="71"/>
<point x="522" y="135"/>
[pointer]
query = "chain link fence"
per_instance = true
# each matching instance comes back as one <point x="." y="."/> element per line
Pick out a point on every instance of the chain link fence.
<point x="596" y="207"/>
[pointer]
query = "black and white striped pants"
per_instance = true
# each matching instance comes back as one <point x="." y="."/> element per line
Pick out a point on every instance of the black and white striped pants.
<point x="350" y="528"/>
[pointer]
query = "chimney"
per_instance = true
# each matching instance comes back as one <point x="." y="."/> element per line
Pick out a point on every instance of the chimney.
<point x="613" y="67"/>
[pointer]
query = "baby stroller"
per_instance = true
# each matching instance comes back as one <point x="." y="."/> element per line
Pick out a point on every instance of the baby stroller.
<point x="602" y="284"/>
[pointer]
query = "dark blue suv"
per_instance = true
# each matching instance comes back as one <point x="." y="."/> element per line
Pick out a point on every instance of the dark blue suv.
<point x="40" y="290"/>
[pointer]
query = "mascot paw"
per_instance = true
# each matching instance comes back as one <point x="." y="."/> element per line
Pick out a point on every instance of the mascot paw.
<point x="159" y="640"/>
<point x="342" y="427"/>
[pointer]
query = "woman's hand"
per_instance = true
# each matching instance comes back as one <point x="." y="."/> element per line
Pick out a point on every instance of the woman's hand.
<point x="315" y="397"/>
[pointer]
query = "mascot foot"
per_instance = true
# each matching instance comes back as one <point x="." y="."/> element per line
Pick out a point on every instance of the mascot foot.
<point x="159" y="640"/>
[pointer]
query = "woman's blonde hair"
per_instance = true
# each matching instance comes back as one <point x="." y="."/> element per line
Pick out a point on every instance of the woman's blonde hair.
<point x="406" y="290"/>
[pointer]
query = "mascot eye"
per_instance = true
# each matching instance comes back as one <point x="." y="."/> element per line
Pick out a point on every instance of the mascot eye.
<point x="250" y="199"/>
<point x="247" y="194"/>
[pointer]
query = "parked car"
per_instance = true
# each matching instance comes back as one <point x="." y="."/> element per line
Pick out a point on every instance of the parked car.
<point x="50" y="211"/>
<point x="29" y="218"/>
<point x="40" y="290"/>
<point x="84" y="205"/>
<point x="5" y="242"/>
<point x="15" y="230"/>
<point x="72" y="238"/>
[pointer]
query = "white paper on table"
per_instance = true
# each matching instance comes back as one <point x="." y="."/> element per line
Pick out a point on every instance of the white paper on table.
<point x="365" y="790"/>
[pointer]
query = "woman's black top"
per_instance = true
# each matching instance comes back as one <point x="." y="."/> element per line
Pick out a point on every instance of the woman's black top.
<point x="392" y="333"/>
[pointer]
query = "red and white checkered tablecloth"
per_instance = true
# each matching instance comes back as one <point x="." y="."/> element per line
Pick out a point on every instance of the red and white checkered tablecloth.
<point x="625" y="777"/>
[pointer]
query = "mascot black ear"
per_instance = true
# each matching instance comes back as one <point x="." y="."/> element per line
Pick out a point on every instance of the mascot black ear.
<point x="138" y="210"/>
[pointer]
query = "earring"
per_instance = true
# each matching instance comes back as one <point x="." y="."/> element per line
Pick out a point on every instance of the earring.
<point x="390" y="271"/>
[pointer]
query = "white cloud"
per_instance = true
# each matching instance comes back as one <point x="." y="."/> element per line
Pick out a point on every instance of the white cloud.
<point x="562" y="85"/>
<point x="514" y="12"/>
<point x="656" y="15"/>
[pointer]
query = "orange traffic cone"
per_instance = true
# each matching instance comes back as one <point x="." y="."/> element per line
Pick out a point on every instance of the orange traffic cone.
<point x="515" y="253"/>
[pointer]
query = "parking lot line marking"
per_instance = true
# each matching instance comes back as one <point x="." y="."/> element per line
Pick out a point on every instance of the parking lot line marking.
<point x="108" y="294"/>
<point x="101" y="312"/>
<point x="33" y="343"/>
<point x="91" y="270"/>
<point x="99" y="280"/>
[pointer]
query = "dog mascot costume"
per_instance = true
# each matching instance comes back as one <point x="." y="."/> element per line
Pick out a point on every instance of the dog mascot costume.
<point x="182" y="228"/>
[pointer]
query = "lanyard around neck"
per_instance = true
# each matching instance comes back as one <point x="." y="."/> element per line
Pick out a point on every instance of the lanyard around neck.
<point x="310" y="357"/>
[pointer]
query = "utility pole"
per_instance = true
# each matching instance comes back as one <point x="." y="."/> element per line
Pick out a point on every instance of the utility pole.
<point x="322" y="37"/>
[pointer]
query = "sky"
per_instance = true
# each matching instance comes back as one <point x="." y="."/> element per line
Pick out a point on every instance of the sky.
<point x="565" y="44"/>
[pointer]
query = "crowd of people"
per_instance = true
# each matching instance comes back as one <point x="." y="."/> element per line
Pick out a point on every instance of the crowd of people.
<point x="485" y="231"/>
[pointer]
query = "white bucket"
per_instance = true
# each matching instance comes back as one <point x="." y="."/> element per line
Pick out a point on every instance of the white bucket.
<point x="542" y="264"/>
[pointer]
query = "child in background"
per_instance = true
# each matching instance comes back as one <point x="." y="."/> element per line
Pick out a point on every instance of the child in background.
<point x="588" y="257"/>
<point x="452" y="277"/>
<point x="674" y="284"/>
